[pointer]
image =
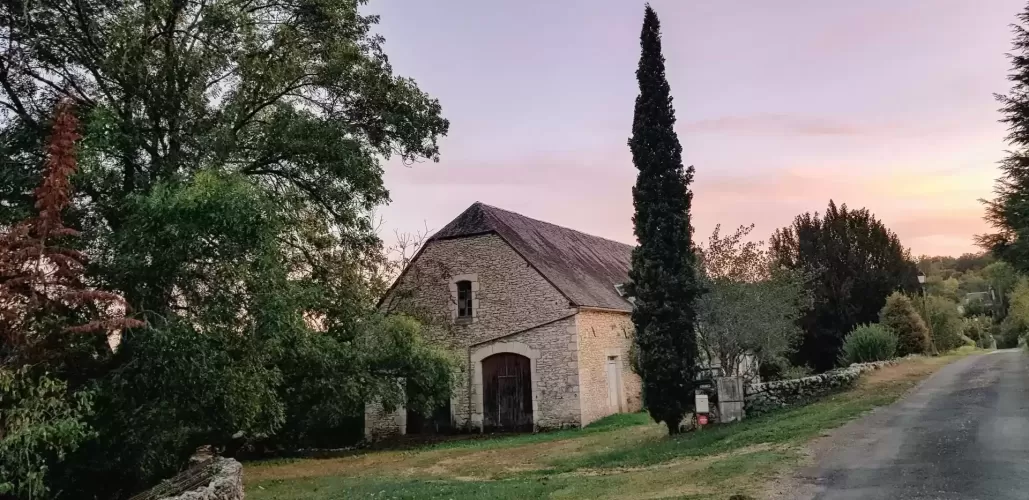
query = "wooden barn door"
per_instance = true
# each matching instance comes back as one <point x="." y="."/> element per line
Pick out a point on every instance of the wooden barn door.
<point x="507" y="392"/>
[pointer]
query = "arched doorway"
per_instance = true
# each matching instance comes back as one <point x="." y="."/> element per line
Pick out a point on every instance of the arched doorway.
<point x="507" y="392"/>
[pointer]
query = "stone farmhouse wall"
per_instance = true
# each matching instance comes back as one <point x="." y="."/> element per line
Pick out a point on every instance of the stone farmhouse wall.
<point x="602" y="334"/>
<point x="555" y="374"/>
<point x="380" y="424"/>
<point x="513" y="304"/>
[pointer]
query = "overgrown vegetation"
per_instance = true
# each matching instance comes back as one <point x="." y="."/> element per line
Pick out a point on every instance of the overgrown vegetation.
<point x="748" y="315"/>
<point x="1015" y="324"/>
<point x="229" y="162"/>
<point x="944" y="321"/>
<point x="40" y="423"/>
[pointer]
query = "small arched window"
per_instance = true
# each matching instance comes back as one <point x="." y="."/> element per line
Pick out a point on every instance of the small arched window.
<point x="464" y="299"/>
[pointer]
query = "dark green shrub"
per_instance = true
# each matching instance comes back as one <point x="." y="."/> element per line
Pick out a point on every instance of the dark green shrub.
<point x="867" y="343"/>
<point x="1009" y="331"/>
<point x="900" y="317"/>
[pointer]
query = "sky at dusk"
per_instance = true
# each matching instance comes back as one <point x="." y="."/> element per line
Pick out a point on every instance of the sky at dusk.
<point x="884" y="104"/>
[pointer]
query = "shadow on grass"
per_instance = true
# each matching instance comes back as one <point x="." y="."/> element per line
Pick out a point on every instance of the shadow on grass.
<point x="471" y="441"/>
<point x="784" y="426"/>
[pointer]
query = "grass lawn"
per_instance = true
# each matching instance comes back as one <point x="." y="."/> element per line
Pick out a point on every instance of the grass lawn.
<point x="623" y="456"/>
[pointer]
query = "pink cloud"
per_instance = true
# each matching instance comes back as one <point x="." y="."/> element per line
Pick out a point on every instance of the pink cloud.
<point x="774" y="124"/>
<point x="934" y="210"/>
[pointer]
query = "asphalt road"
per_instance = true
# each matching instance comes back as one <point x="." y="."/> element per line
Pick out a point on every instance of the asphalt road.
<point x="963" y="433"/>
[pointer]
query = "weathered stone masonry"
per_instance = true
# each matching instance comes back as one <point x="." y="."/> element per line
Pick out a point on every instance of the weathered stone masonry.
<point x="604" y="334"/>
<point x="516" y="310"/>
<point x="513" y="302"/>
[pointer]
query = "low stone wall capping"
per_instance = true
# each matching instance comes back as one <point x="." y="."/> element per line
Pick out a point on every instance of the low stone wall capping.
<point x="214" y="479"/>
<point x="767" y="396"/>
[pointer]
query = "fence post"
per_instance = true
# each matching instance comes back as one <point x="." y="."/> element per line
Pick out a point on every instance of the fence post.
<point x="730" y="398"/>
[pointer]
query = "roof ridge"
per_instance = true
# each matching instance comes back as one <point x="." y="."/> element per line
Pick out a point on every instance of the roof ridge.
<point x="582" y="266"/>
<point x="491" y="207"/>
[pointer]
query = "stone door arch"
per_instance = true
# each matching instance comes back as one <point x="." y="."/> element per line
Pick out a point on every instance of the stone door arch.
<point x="505" y="394"/>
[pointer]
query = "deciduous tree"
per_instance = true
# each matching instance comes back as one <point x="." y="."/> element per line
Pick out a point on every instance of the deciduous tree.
<point x="854" y="262"/>
<point x="232" y="154"/>
<point x="944" y="321"/>
<point x="750" y="310"/>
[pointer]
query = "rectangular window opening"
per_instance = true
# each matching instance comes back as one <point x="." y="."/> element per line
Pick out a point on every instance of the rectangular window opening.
<point x="464" y="299"/>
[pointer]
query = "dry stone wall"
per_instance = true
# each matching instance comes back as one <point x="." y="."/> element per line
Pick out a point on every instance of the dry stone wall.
<point x="379" y="423"/>
<point x="216" y="479"/>
<point x="767" y="396"/>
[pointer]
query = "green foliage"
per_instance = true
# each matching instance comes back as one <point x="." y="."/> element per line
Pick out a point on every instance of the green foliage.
<point x="959" y="278"/>
<point x="973" y="261"/>
<point x="327" y="381"/>
<point x="977" y="328"/>
<point x="1002" y="278"/>
<point x="943" y="287"/>
<point x="750" y="308"/>
<point x="900" y="316"/>
<point x="663" y="277"/>
<point x="39" y="425"/>
<point x="261" y="370"/>
<point x="1008" y="332"/>
<point x="868" y="343"/>
<point x="1008" y="213"/>
<point x="836" y="250"/>
<point x="976" y="307"/>
<point x="1016" y="323"/>
<point x="175" y="389"/>
<point x="231" y="158"/>
<point x="941" y="316"/>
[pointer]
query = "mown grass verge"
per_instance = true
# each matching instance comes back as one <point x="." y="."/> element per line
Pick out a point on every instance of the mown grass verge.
<point x="619" y="457"/>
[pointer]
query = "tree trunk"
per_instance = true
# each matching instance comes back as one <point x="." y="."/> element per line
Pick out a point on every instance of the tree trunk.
<point x="673" y="427"/>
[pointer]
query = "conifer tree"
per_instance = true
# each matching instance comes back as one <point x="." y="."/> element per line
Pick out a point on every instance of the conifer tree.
<point x="900" y="317"/>
<point x="664" y="282"/>
<point x="1009" y="212"/>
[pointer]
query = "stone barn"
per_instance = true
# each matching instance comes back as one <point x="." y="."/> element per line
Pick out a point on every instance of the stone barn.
<point x="534" y="312"/>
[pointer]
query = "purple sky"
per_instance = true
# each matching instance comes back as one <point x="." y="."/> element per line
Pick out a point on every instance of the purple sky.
<point x="884" y="104"/>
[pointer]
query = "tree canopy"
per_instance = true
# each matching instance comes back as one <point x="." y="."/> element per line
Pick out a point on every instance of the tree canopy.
<point x="230" y="158"/>
<point x="1008" y="213"/>
<point x="854" y="262"/>
<point x="750" y="310"/>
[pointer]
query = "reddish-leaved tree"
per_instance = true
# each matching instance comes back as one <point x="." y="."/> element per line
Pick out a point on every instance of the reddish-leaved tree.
<point x="43" y="291"/>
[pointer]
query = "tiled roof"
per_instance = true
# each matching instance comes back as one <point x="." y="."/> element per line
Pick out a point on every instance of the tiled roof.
<point x="583" y="267"/>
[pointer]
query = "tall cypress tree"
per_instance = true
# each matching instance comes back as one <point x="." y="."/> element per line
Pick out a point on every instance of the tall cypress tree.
<point x="1009" y="212"/>
<point x="664" y="282"/>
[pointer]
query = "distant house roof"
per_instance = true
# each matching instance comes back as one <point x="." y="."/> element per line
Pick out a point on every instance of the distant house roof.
<point x="583" y="267"/>
<point x="983" y="296"/>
